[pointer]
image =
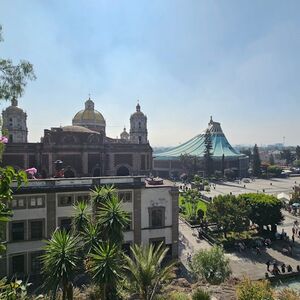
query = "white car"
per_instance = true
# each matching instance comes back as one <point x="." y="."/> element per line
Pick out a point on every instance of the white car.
<point x="246" y="180"/>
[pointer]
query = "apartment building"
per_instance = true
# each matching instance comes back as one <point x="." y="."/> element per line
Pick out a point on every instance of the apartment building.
<point x="41" y="206"/>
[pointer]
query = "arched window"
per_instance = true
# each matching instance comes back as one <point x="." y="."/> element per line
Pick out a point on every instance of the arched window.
<point x="122" y="171"/>
<point x="139" y="125"/>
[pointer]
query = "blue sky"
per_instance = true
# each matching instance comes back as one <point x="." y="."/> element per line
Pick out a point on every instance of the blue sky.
<point x="185" y="60"/>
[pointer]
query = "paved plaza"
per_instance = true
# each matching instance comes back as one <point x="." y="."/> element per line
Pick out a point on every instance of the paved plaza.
<point x="248" y="262"/>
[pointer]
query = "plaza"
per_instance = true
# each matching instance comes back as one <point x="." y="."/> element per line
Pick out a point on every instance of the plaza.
<point x="248" y="263"/>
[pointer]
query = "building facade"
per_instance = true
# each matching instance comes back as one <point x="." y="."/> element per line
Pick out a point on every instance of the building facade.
<point x="224" y="156"/>
<point x="83" y="146"/>
<point x="44" y="205"/>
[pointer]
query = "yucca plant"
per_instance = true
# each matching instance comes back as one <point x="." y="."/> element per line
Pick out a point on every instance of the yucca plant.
<point x="60" y="262"/>
<point x="145" y="271"/>
<point x="105" y="266"/>
<point x="82" y="217"/>
<point x="112" y="220"/>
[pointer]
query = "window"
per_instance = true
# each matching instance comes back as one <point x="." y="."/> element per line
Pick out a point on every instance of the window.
<point x="35" y="262"/>
<point x="140" y="139"/>
<point x="129" y="224"/>
<point x="36" y="229"/>
<point x="18" y="203"/>
<point x="157" y="217"/>
<point x="18" y="264"/>
<point x="17" y="231"/>
<point x="66" y="224"/>
<point x="65" y="200"/>
<point x="36" y="201"/>
<point x="139" y="125"/>
<point x="125" y="196"/>
<point x="84" y="198"/>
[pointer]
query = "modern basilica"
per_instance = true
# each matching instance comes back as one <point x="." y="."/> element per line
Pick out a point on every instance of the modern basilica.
<point x="83" y="147"/>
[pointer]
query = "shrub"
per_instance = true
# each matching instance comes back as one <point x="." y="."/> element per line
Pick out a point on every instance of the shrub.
<point x="200" y="294"/>
<point x="288" y="294"/>
<point x="211" y="265"/>
<point x="259" y="290"/>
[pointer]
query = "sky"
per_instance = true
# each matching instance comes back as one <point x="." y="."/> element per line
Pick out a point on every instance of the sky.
<point x="184" y="60"/>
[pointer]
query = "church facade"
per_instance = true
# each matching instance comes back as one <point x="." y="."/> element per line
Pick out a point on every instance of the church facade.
<point x="83" y="147"/>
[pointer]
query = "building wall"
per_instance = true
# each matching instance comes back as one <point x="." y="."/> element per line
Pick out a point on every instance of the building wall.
<point x="55" y="205"/>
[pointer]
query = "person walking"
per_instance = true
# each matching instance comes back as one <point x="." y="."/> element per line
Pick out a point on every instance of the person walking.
<point x="293" y="238"/>
<point x="268" y="265"/>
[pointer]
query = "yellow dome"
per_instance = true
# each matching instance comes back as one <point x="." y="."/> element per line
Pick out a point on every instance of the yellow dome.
<point x="89" y="115"/>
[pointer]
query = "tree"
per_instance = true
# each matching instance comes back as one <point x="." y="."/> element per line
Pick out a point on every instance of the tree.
<point x="211" y="265"/>
<point x="105" y="265"/>
<point x="256" y="162"/>
<point x="274" y="171"/>
<point x="254" y="290"/>
<point x="82" y="217"/>
<point x="287" y="155"/>
<point x="230" y="213"/>
<point x="60" y="262"/>
<point x="208" y="161"/>
<point x="145" y="271"/>
<point x="112" y="219"/>
<point x="264" y="209"/>
<point x="13" y="78"/>
<point x="271" y="159"/>
<point x="298" y="152"/>
<point x="7" y="176"/>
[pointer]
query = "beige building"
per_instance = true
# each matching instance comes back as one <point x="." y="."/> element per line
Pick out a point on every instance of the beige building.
<point x="44" y="205"/>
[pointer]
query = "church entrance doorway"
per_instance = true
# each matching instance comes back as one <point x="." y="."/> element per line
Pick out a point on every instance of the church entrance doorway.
<point x="122" y="171"/>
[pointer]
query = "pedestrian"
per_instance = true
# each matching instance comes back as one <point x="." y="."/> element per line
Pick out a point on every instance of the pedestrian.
<point x="293" y="230"/>
<point x="293" y="238"/>
<point x="283" y="268"/>
<point x="299" y="233"/>
<point x="289" y="268"/>
<point x="268" y="265"/>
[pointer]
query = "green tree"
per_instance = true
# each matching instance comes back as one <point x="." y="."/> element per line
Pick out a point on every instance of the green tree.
<point x="105" y="266"/>
<point x="145" y="271"/>
<point x="112" y="219"/>
<point x="287" y="155"/>
<point x="298" y="152"/>
<point x="264" y="209"/>
<point x="60" y="263"/>
<point x="13" y="78"/>
<point x="211" y="265"/>
<point x="254" y="290"/>
<point x="256" y="162"/>
<point x="271" y="159"/>
<point x="230" y="213"/>
<point x="208" y="161"/>
<point x="82" y="217"/>
<point x="274" y="171"/>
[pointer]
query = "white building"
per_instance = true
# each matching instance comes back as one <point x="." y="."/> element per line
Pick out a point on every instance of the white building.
<point x="44" y="205"/>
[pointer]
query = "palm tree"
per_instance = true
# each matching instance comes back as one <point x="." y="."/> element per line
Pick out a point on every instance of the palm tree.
<point x="60" y="263"/>
<point x="145" y="270"/>
<point x="112" y="220"/>
<point x="102" y="194"/>
<point x="82" y="216"/>
<point x="105" y="266"/>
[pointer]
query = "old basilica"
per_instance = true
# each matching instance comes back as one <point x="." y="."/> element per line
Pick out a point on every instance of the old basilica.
<point x="83" y="147"/>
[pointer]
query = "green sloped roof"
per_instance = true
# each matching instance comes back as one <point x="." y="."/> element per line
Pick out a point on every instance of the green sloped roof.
<point x="196" y="145"/>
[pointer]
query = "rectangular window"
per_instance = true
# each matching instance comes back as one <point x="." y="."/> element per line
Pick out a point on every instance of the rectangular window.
<point x="143" y="162"/>
<point x="36" y="201"/>
<point x="18" y="203"/>
<point x="66" y="224"/>
<point x="84" y="198"/>
<point x="157" y="217"/>
<point x="17" y="231"/>
<point x="35" y="262"/>
<point x="65" y="200"/>
<point x="129" y="224"/>
<point x="36" y="229"/>
<point x="18" y="264"/>
<point x="125" y="196"/>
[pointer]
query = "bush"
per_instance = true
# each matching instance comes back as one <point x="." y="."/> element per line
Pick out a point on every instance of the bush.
<point x="173" y="296"/>
<point x="211" y="265"/>
<point x="260" y="290"/>
<point x="200" y="294"/>
<point x="288" y="294"/>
